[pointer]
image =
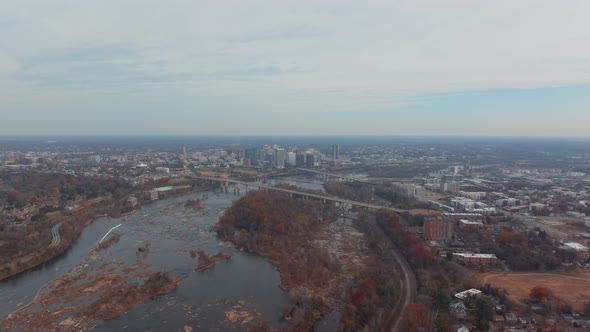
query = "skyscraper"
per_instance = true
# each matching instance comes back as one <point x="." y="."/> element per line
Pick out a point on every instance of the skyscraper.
<point x="280" y="156"/>
<point x="335" y="152"/>
<point x="252" y="154"/>
<point x="300" y="160"/>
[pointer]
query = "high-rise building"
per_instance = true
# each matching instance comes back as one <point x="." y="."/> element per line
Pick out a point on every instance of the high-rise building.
<point x="335" y="152"/>
<point x="280" y="156"/>
<point x="300" y="160"/>
<point x="291" y="158"/>
<point x="312" y="160"/>
<point x="270" y="159"/>
<point x="241" y="154"/>
<point x="439" y="229"/>
<point x="252" y="154"/>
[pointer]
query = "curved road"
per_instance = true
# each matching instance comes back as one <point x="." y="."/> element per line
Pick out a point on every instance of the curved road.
<point x="56" y="236"/>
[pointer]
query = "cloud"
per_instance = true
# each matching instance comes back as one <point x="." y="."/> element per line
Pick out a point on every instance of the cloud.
<point x="290" y="56"/>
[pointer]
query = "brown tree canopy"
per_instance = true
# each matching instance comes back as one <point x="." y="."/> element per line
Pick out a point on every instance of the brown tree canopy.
<point x="540" y="293"/>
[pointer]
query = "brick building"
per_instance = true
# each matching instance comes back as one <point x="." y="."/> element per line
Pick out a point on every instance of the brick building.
<point x="439" y="229"/>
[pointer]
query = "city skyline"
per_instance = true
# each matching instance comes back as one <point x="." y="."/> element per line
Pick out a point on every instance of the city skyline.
<point x="291" y="68"/>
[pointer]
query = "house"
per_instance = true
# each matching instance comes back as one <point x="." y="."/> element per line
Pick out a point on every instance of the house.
<point x="458" y="308"/>
<point x="511" y="318"/>
<point x="132" y="201"/>
<point x="581" y="323"/>
<point x="462" y="328"/>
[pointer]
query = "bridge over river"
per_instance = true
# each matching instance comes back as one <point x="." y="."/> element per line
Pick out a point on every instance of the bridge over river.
<point x="325" y="198"/>
<point x="336" y="177"/>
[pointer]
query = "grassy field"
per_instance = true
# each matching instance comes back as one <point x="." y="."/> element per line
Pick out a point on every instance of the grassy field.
<point x="572" y="288"/>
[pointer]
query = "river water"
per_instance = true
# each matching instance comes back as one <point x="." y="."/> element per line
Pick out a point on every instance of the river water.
<point x="201" y="300"/>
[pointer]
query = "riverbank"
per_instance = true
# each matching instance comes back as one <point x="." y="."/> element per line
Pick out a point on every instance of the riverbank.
<point x="47" y="255"/>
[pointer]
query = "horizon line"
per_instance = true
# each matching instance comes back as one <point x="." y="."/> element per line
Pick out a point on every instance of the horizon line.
<point x="168" y="136"/>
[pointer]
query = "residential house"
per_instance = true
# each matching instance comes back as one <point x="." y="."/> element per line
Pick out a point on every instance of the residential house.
<point x="458" y="308"/>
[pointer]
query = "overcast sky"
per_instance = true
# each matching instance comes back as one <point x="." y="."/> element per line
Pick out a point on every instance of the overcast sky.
<point x="295" y="67"/>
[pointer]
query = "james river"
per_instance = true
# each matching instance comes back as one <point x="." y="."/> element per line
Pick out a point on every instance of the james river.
<point x="202" y="298"/>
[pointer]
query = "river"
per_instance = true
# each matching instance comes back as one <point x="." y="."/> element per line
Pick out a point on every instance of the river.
<point x="201" y="300"/>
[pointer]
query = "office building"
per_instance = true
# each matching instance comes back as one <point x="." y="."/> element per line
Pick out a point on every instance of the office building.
<point x="280" y="156"/>
<point x="252" y="155"/>
<point x="335" y="152"/>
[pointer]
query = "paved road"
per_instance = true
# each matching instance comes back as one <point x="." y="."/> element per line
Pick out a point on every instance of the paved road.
<point x="56" y="236"/>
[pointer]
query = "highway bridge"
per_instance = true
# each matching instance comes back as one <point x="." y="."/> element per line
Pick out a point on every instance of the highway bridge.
<point x="336" y="176"/>
<point x="306" y="195"/>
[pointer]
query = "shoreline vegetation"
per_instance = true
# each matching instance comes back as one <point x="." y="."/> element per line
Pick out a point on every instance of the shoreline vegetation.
<point x="36" y="259"/>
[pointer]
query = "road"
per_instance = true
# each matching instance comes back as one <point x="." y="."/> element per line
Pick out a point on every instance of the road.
<point x="56" y="237"/>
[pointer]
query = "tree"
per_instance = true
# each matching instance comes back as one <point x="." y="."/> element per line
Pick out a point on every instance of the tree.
<point x="14" y="266"/>
<point x="449" y="255"/>
<point x="484" y="313"/>
<point x="540" y="293"/>
<point x="551" y="261"/>
<point x="416" y="317"/>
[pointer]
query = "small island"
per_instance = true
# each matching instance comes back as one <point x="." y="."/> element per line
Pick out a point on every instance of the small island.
<point x="207" y="261"/>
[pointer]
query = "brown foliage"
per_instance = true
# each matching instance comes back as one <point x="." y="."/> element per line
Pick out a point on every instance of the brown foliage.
<point x="264" y="221"/>
<point x="540" y="293"/>
<point x="416" y="317"/>
<point x="407" y="241"/>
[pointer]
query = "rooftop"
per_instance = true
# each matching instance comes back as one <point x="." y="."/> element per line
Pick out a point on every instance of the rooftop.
<point x="468" y="293"/>
<point x="575" y="246"/>
<point x="471" y="255"/>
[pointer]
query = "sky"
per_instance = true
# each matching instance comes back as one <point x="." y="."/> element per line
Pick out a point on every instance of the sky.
<point x="379" y="68"/>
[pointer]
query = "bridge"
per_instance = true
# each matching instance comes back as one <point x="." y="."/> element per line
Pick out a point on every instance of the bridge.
<point x="336" y="176"/>
<point x="305" y="195"/>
